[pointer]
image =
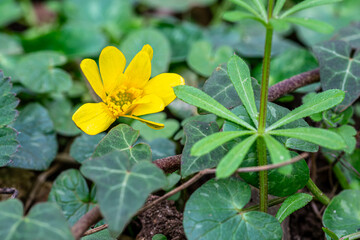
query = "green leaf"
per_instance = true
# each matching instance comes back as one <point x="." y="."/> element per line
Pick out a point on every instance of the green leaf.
<point x="200" y="99"/>
<point x="318" y="103"/>
<point x="260" y="7"/>
<point x="10" y="45"/>
<point x="73" y="40"/>
<point x="61" y="111"/>
<point x="122" y="138"/>
<point x="181" y="36"/>
<point x="9" y="12"/>
<point x="203" y="60"/>
<point x="161" y="148"/>
<point x="38" y="145"/>
<point x="236" y="16"/>
<point x="71" y="193"/>
<point x="278" y="6"/>
<point x="122" y="187"/>
<point x="84" y="146"/>
<point x="306" y="4"/>
<point x="215" y="140"/>
<point x="111" y="11"/>
<point x="8" y="135"/>
<point x="159" y="237"/>
<point x="234" y="157"/>
<point x="38" y="72"/>
<point x="342" y="215"/>
<point x="194" y="132"/>
<point x="44" y="221"/>
<point x="149" y="134"/>
<point x="312" y="24"/>
<point x="292" y="204"/>
<point x="330" y="233"/>
<point x="350" y="34"/>
<point x="319" y="136"/>
<point x="347" y="133"/>
<point x="176" y="5"/>
<point x="246" y="6"/>
<point x="339" y="70"/>
<point x="216" y="206"/>
<point x="240" y="77"/>
<point x="134" y="42"/>
<point x="278" y="153"/>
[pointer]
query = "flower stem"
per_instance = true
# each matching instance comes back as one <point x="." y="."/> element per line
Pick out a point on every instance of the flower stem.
<point x="261" y="147"/>
<point x="317" y="192"/>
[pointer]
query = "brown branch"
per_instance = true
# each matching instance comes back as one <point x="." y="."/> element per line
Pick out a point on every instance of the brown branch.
<point x="13" y="191"/>
<point x="90" y="218"/>
<point x="293" y="83"/>
<point x="169" y="164"/>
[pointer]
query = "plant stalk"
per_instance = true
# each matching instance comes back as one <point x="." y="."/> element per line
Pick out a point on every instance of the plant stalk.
<point x="261" y="147"/>
<point x="317" y="192"/>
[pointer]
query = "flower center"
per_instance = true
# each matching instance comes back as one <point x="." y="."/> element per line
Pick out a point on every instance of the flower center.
<point x="120" y="102"/>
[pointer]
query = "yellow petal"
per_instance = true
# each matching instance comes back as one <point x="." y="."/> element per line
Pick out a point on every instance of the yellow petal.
<point x="112" y="63"/>
<point x="148" y="49"/>
<point x="147" y="105"/>
<point x="153" y="125"/>
<point x="162" y="85"/>
<point x="91" y="72"/>
<point x="139" y="71"/>
<point x="93" y="118"/>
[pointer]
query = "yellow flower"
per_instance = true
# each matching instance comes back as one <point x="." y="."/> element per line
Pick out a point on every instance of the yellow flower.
<point x="124" y="94"/>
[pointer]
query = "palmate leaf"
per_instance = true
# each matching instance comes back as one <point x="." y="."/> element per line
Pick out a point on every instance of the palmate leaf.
<point x="246" y="6"/>
<point x="278" y="6"/>
<point x="215" y="140"/>
<point x="235" y="16"/>
<point x="214" y="211"/>
<point x="200" y="99"/>
<point x="122" y="188"/>
<point x="278" y="153"/>
<point x="240" y="77"/>
<point x="260" y="7"/>
<point x="318" y="103"/>
<point x="307" y="4"/>
<point x="339" y="70"/>
<point x="319" y="136"/>
<point x="291" y="204"/>
<point x="44" y="221"/>
<point x="235" y="156"/>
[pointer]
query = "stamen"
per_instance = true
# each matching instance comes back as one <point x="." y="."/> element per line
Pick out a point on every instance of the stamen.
<point x="120" y="102"/>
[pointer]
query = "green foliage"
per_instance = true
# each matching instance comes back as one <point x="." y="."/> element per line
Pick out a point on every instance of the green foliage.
<point x="38" y="72"/>
<point x="134" y="42"/>
<point x="194" y="132"/>
<point x="38" y="145"/>
<point x="159" y="237"/>
<point x="217" y="206"/>
<point x="338" y="70"/>
<point x="122" y="139"/>
<point x="204" y="60"/>
<point x="342" y="215"/>
<point x="10" y="45"/>
<point x="200" y="99"/>
<point x="175" y="5"/>
<point x="239" y="74"/>
<point x="8" y="136"/>
<point x="149" y="134"/>
<point x="77" y="199"/>
<point x="122" y="186"/>
<point x="318" y="103"/>
<point x="9" y="11"/>
<point x="292" y="204"/>
<point x="44" y="221"/>
<point x="278" y="153"/>
<point x="84" y="146"/>
<point x="161" y="148"/>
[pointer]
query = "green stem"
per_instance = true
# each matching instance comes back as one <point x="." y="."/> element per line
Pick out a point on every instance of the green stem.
<point x="263" y="175"/>
<point x="220" y="10"/>
<point x="272" y="202"/>
<point x="261" y="147"/>
<point x="317" y="192"/>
